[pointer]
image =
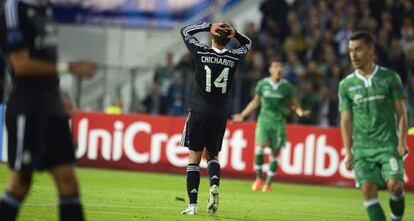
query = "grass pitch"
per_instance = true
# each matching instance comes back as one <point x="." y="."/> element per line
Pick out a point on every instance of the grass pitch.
<point x="122" y="196"/>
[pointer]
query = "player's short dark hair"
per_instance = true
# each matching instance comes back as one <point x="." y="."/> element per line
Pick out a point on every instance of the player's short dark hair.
<point x="365" y="36"/>
<point x="223" y="39"/>
<point x="278" y="58"/>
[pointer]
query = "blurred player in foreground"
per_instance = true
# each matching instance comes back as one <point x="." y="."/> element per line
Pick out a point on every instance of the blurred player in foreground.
<point x="374" y="127"/>
<point x="39" y="137"/>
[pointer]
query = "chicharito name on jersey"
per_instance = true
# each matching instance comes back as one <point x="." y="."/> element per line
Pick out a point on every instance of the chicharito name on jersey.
<point x="217" y="60"/>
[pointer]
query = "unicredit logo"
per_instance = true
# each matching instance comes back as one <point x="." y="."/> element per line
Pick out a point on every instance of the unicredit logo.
<point x="113" y="143"/>
<point x="313" y="157"/>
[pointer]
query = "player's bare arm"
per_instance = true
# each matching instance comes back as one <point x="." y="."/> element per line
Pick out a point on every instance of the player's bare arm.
<point x="25" y="66"/>
<point x="253" y="105"/>
<point x="346" y="131"/>
<point x="401" y="112"/>
<point x="295" y="106"/>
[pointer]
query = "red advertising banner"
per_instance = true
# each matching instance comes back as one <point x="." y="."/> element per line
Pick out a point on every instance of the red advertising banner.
<point x="151" y="143"/>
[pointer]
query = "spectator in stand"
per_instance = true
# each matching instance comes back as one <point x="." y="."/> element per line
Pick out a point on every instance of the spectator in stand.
<point x="293" y="69"/>
<point x="308" y="97"/>
<point x="396" y="58"/>
<point x="176" y="94"/>
<point x="328" y="107"/>
<point x="274" y="18"/>
<point x="163" y="78"/>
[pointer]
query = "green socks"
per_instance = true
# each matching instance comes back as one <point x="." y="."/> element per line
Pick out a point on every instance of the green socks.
<point x="259" y="160"/>
<point x="374" y="209"/>
<point x="272" y="170"/>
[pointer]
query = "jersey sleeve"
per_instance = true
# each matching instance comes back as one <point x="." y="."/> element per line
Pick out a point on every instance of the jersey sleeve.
<point x="245" y="44"/>
<point x="192" y="43"/>
<point x="396" y="88"/>
<point x="14" y="17"/>
<point x="345" y="102"/>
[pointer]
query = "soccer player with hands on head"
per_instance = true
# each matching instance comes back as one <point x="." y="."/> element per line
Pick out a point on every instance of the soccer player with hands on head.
<point x="215" y="67"/>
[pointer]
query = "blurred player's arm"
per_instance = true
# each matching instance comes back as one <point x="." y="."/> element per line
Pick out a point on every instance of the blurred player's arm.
<point x="188" y="32"/>
<point x="17" y="50"/>
<point x="401" y="111"/>
<point x="253" y="104"/>
<point x="399" y="97"/>
<point x="25" y="66"/>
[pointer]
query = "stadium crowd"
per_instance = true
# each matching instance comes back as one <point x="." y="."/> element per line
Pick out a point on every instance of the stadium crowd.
<point x="311" y="37"/>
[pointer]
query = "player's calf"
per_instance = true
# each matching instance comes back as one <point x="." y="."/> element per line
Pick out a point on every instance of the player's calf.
<point x="397" y="199"/>
<point x="9" y="206"/>
<point x="19" y="185"/>
<point x="374" y="210"/>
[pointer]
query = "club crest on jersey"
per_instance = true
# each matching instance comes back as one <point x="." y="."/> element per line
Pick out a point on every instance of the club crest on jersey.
<point x="383" y="83"/>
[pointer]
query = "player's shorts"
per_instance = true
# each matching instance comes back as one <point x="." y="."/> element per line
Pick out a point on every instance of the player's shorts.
<point x="204" y="130"/>
<point x="273" y="134"/>
<point x="39" y="142"/>
<point x="377" y="166"/>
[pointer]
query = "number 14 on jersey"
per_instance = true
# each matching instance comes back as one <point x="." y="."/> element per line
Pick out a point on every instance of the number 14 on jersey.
<point x="220" y="82"/>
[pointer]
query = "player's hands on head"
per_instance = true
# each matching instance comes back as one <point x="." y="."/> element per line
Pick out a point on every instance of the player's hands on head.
<point x="222" y="25"/>
<point x="214" y="28"/>
<point x="228" y="28"/>
<point x="237" y="118"/>
<point x="82" y="68"/>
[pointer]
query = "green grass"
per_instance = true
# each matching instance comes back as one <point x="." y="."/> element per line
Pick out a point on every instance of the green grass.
<point x="118" y="195"/>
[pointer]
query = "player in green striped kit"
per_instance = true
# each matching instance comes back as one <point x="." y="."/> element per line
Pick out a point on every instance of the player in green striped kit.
<point x="374" y="127"/>
<point x="274" y="94"/>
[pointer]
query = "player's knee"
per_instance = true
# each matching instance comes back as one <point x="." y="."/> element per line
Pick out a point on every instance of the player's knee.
<point x="67" y="184"/>
<point x="20" y="184"/>
<point x="194" y="157"/>
<point x="68" y="187"/>
<point x="369" y="190"/>
<point x="396" y="188"/>
<point x="211" y="155"/>
<point x="275" y="153"/>
<point x="25" y="179"/>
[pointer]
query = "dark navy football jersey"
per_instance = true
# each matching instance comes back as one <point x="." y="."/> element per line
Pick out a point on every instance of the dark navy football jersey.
<point x="29" y="25"/>
<point x="214" y="71"/>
